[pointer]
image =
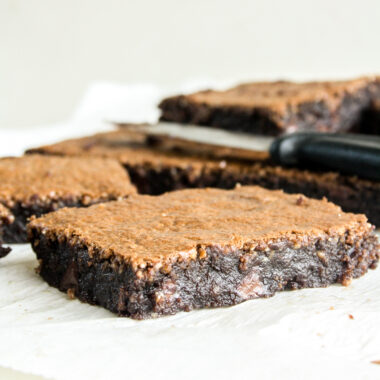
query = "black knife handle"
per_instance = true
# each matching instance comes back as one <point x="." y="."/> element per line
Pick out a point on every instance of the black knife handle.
<point x="346" y="153"/>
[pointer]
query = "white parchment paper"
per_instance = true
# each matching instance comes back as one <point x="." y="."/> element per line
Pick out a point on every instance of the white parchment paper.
<point x="311" y="333"/>
<point x="308" y="334"/>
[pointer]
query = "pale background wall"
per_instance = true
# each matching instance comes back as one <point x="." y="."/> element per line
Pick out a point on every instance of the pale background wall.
<point x="51" y="50"/>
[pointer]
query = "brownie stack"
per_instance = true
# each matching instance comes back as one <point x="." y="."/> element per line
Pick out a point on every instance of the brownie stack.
<point x="217" y="241"/>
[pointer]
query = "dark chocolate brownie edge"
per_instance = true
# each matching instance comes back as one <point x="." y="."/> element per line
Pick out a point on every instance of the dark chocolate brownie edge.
<point x="369" y="122"/>
<point x="217" y="277"/>
<point x="156" y="181"/>
<point x="313" y="116"/>
<point x="179" y="110"/>
<point x="5" y="220"/>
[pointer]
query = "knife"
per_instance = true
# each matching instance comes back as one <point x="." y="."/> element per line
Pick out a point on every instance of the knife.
<point x="351" y="154"/>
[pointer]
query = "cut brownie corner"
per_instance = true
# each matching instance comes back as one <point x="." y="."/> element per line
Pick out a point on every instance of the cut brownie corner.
<point x="38" y="184"/>
<point x="147" y="256"/>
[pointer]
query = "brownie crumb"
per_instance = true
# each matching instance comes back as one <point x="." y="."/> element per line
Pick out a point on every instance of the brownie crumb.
<point x="4" y="251"/>
<point x="38" y="268"/>
<point x="71" y="293"/>
<point x="347" y="281"/>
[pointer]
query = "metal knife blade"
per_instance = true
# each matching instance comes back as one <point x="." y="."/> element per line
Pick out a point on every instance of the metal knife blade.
<point x="350" y="154"/>
<point x="206" y="135"/>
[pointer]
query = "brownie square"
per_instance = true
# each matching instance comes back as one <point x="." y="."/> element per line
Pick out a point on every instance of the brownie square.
<point x="36" y="184"/>
<point x="271" y="108"/>
<point x="149" y="256"/>
<point x="156" y="168"/>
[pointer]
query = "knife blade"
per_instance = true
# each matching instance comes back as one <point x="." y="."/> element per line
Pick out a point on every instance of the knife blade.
<point x="350" y="154"/>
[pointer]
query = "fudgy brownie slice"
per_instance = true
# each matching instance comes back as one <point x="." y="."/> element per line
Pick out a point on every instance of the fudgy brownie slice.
<point x="36" y="184"/>
<point x="156" y="168"/>
<point x="271" y="108"/>
<point x="149" y="256"/>
<point x="5" y="218"/>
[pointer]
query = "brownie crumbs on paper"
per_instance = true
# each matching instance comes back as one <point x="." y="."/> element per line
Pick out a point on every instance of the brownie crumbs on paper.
<point x="4" y="251"/>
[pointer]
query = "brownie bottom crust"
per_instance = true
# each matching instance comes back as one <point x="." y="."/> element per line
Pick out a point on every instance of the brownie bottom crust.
<point x="217" y="277"/>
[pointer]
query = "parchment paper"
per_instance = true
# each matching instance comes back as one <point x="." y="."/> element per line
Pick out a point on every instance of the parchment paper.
<point x="307" y="334"/>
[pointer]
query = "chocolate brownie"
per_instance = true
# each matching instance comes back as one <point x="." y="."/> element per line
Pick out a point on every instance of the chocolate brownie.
<point x="272" y="108"/>
<point x="156" y="168"/>
<point x="6" y="218"/>
<point x="37" y="184"/>
<point x="148" y="256"/>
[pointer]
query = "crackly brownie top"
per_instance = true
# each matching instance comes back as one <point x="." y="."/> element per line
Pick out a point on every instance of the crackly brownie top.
<point x="175" y="225"/>
<point x="38" y="179"/>
<point x="279" y="96"/>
